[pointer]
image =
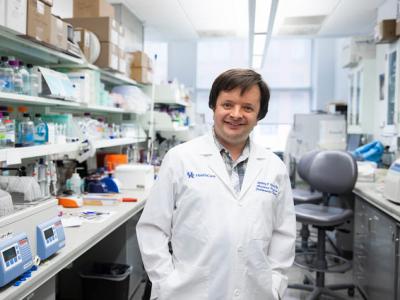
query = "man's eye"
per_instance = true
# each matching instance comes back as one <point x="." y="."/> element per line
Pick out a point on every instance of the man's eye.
<point x="226" y="105"/>
<point x="248" y="109"/>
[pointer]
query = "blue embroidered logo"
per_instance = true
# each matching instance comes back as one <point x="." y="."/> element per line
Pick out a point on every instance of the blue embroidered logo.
<point x="192" y="175"/>
<point x="267" y="187"/>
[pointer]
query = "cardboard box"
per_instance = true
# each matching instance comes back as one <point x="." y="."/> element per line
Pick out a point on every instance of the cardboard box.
<point x="108" y="58"/>
<point x="140" y="59"/>
<point x="141" y="74"/>
<point x="15" y="15"/>
<point x="385" y="31"/>
<point x="59" y="33"/>
<point x="48" y="2"/>
<point x="121" y="37"/>
<point x="39" y="20"/>
<point x="398" y="28"/>
<point x="105" y="28"/>
<point x="2" y="12"/>
<point x="93" y="8"/>
<point x="83" y="40"/>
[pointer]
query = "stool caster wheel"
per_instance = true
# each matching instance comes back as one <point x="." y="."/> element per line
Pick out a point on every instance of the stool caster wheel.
<point x="350" y="292"/>
<point x="306" y="281"/>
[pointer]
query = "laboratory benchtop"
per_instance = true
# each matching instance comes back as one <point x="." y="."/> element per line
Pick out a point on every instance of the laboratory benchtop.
<point x="77" y="241"/>
<point x="372" y="192"/>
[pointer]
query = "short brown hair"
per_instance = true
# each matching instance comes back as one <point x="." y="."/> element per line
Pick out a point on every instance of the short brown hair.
<point x="243" y="79"/>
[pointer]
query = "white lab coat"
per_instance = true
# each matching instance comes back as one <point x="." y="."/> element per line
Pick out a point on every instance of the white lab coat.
<point x="225" y="246"/>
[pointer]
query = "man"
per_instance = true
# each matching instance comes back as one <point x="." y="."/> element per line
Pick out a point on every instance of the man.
<point x="225" y="206"/>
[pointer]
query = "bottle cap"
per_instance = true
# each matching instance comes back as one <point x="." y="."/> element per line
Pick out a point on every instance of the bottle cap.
<point x="22" y="109"/>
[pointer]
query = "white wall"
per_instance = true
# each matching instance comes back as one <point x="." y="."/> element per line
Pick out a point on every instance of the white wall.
<point x="182" y="62"/>
<point x="341" y="89"/>
<point x="323" y="74"/>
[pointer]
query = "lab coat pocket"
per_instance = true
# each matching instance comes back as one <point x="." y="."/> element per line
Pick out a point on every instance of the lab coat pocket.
<point x="185" y="282"/>
<point x="259" y="275"/>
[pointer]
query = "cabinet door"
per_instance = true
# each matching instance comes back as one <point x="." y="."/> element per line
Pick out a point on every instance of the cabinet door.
<point x="391" y="89"/>
<point x="360" y="244"/>
<point x="381" y="255"/>
<point x="357" y="104"/>
<point x="351" y="99"/>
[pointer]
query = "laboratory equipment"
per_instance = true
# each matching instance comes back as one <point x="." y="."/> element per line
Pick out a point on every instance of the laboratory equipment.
<point x="70" y="201"/>
<point x="113" y="185"/>
<point x="25" y="218"/>
<point x="316" y="131"/>
<point x="6" y="204"/>
<point x="16" y="257"/>
<point x="135" y="176"/>
<point x="23" y="189"/>
<point x="392" y="182"/>
<point x="50" y="237"/>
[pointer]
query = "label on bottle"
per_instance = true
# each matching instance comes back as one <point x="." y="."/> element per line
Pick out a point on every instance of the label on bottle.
<point x="40" y="135"/>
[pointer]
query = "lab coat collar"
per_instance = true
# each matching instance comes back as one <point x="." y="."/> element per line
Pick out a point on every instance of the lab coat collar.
<point x="209" y="150"/>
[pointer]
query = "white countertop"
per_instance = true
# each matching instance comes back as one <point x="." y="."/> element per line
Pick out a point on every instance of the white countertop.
<point x="78" y="241"/>
<point x="372" y="192"/>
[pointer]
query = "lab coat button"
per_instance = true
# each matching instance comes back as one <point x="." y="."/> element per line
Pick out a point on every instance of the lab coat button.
<point x="240" y="204"/>
<point x="237" y="292"/>
<point x="240" y="249"/>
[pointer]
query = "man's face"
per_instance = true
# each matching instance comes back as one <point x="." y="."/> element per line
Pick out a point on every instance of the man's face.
<point x="235" y="115"/>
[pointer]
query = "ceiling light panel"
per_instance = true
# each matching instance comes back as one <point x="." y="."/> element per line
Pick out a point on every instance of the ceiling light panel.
<point x="259" y="44"/>
<point x="263" y="8"/>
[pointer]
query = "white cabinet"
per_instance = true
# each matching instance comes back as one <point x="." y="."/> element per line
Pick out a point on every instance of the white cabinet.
<point x="362" y="94"/>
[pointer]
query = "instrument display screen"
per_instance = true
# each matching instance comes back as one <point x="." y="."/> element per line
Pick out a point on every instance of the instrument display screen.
<point x="9" y="254"/>
<point x="48" y="233"/>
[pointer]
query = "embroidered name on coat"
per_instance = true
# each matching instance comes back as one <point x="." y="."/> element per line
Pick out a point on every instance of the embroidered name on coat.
<point x="267" y="187"/>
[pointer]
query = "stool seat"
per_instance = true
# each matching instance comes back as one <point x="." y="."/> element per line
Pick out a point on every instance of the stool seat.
<point x="323" y="216"/>
<point x="301" y="196"/>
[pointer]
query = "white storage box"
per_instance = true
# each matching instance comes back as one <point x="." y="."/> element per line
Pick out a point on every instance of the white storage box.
<point x="15" y="15"/>
<point x="135" y="176"/>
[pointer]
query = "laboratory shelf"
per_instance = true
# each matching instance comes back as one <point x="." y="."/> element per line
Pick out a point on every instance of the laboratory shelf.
<point x="171" y="102"/>
<point x="116" y="142"/>
<point x="41" y="101"/>
<point x="15" y="155"/>
<point x="171" y="128"/>
<point x="25" y="99"/>
<point x="112" y="78"/>
<point x="31" y="51"/>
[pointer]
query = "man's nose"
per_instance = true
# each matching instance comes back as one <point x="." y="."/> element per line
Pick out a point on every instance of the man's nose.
<point x="236" y="112"/>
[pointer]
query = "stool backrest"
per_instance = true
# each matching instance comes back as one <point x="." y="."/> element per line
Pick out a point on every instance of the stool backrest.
<point x="304" y="164"/>
<point x="332" y="171"/>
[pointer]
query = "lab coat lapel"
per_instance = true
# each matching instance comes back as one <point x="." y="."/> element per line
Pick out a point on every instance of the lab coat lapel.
<point x="215" y="162"/>
<point x="254" y="167"/>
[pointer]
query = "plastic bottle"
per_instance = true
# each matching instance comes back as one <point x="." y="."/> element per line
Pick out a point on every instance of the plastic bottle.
<point x="75" y="183"/>
<point x="26" y="130"/>
<point x="26" y="85"/>
<point x="10" y="129"/>
<point x="41" y="133"/>
<point x="33" y="81"/>
<point x="6" y="76"/>
<point x="17" y="81"/>
<point x="2" y="133"/>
